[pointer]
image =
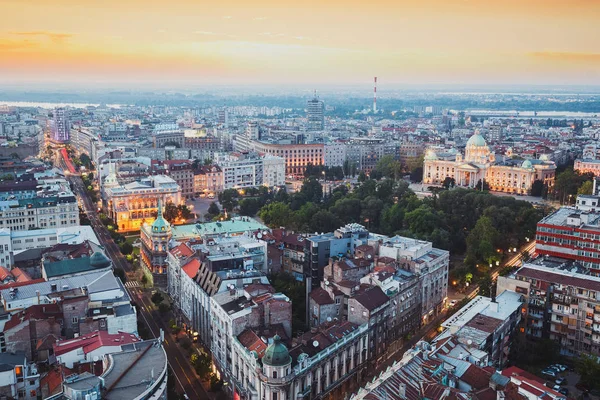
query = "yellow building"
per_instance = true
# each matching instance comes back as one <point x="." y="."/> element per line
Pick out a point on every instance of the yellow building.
<point x="133" y="204"/>
<point x="480" y="163"/>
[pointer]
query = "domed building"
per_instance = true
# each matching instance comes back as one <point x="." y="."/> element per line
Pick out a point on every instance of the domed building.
<point x="326" y="362"/>
<point x="155" y="246"/>
<point x="480" y="164"/>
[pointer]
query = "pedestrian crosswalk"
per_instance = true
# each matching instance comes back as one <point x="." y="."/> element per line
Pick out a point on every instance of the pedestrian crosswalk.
<point x="132" y="284"/>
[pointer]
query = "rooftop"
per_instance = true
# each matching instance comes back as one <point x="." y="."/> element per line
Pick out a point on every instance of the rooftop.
<point x="133" y="370"/>
<point x="235" y="226"/>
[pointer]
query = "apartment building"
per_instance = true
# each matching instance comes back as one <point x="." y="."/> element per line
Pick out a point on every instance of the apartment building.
<point x="572" y="233"/>
<point x="562" y="303"/>
<point x="208" y="179"/>
<point x="327" y="361"/>
<point x="242" y="170"/>
<point x="39" y="213"/>
<point x="180" y="171"/>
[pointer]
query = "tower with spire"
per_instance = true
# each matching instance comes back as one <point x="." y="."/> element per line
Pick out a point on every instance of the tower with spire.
<point x="155" y="245"/>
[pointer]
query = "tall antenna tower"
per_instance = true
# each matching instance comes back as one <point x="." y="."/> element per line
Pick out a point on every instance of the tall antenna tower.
<point x="375" y="97"/>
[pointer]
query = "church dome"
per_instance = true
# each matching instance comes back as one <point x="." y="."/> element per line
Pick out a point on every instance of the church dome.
<point x="160" y="224"/>
<point x="99" y="260"/>
<point x="527" y="164"/>
<point x="476" y="140"/>
<point x="276" y="355"/>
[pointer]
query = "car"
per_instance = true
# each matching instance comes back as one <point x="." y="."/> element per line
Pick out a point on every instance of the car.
<point x="562" y="367"/>
<point x="560" y="381"/>
<point x="453" y="303"/>
<point x="564" y="391"/>
<point x="556" y="387"/>
<point x="554" y="368"/>
<point x="211" y="196"/>
<point x="549" y="372"/>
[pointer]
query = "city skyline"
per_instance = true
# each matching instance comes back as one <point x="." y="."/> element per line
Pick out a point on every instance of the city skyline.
<point x="267" y="42"/>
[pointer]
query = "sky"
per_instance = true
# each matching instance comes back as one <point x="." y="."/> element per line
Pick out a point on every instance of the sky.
<point x="137" y="43"/>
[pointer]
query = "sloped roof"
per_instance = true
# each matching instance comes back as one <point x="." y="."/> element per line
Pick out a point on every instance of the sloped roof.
<point x="321" y="296"/>
<point x="192" y="267"/>
<point x="94" y="341"/>
<point x="372" y="298"/>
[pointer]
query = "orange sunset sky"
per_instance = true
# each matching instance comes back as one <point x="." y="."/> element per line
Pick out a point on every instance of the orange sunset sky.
<point x="326" y="41"/>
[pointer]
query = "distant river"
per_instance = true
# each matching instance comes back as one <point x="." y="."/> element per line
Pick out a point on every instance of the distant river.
<point x="540" y="114"/>
<point x="53" y="105"/>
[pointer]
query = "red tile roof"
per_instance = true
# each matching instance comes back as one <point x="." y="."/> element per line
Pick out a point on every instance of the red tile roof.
<point x="35" y="312"/>
<point x="192" y="267"/>
<point x="4" y="273"/>
<point x="321" y="296"/>
<point x="182" y="251"/>
<point x="252" y="342"/>
<point x="19" y="284"/>
<point x="20" y="275"/>
<point x="94" y="341"/>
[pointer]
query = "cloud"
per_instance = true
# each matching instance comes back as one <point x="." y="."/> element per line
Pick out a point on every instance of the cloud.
<point x="265" y="34"/>
<point x="56" y="37"/>
<point x="301" y="38"/>
<point x="567" y="57"/>
<point x="162" y="31"/>
<point x="11" y="45"/>
<point x="227" y="17"/>
<point x="259" y="18"/>
<point x="205" y="33"/>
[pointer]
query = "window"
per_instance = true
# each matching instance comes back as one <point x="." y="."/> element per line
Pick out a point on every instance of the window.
<point x="75" y="320"/>
<point x="275" y="395"/>
<point x="274" y="374"/>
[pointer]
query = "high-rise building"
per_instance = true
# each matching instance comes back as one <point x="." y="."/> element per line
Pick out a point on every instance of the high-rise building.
<point x="60" y="125"/>
<point x="314" y="115"/>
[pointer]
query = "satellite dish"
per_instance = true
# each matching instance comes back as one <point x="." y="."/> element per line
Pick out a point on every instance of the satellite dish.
<point x="469" y="342"/>
<point x="259" y="235"/>
<point x="316" y="343"/>
<point x="369" y="256"/>
<point x="96" y="358"/>
<point x="328" y="319"/>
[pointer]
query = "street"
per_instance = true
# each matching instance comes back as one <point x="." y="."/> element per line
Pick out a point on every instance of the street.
<point x="187" y="380"/>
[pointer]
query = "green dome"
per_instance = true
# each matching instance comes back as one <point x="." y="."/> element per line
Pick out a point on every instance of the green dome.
<point x="527" y="164"/>
<point x="276" y="355"/>
<point x="476" y="140"/>
<point x="160" y="224"/>
<point x="99" y="260"/>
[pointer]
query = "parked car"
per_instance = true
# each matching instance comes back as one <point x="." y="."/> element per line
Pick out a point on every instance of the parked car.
<point x="549" y="372"/>
<point x="453" y="303"/>
<point x="560" y="381"/>
<point x="556" y="387"/>
<point x="560" y="367"/>
<point x="564" y="391"/>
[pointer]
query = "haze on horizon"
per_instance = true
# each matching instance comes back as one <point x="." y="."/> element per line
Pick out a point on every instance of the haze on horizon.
<point x="153" y="43"/>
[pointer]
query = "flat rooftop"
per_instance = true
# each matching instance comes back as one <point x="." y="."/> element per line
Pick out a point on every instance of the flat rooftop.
<point x="508" y="302"/>
<point x="134" y="370"/>
<point x="235" y="226"/>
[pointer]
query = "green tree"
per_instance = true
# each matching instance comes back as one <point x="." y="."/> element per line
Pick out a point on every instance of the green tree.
<point x="170" y="213"/>
<point x="537" y="188"/>
<point x="392" y="219"/>
<point x="449" y="182"/>
<point x="276" y="214"/>
<point x="249" y="207"/>
<point x="229" y="199"/>
<point x="588" y="368"/>
<point x="481" y="241"/>
<point x="157" y="298"/>
<point x="312" y="190"/>
<point x="586" y="188"/>
<point x="371" y="208"/>
<point x="324" y="221"/>
<point x="126" y="248"/>
<point x="213" y="209"/>
<point x="347" y="209"/>
<point x="362" y="176"/>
